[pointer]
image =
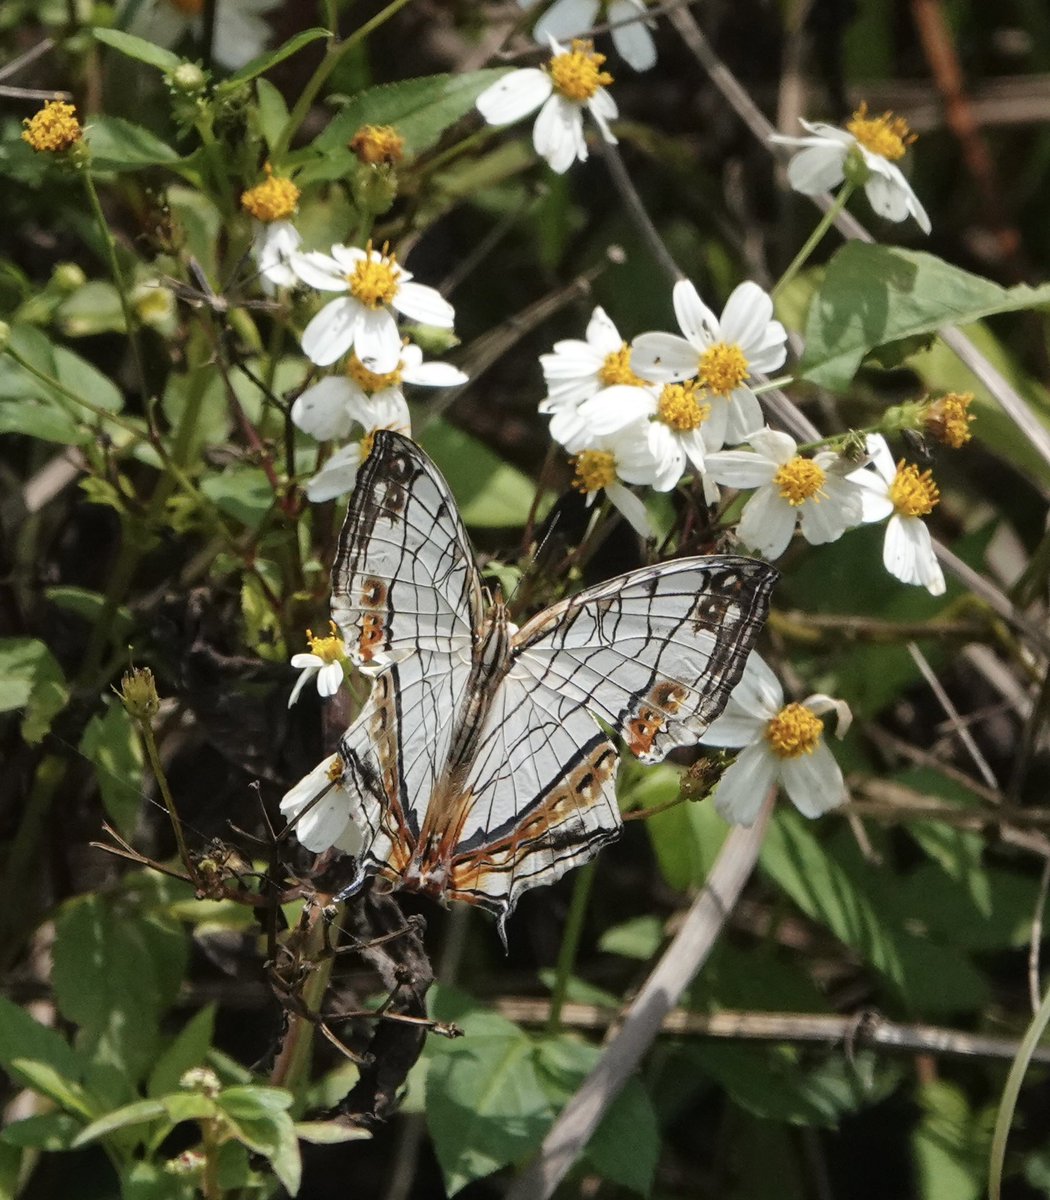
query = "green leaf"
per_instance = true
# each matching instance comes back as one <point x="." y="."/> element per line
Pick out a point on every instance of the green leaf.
<point x="119" y="145"/>
<point x="270" y="59"/>
<point x="686" y="838"/>
<point x="874" y="295"/>
<point x="43" y="1078"/>
<point x="138" y="48"/>
<point x="243" y="493"/>
<point x="794" y="858"/>
<point x="31" y="679"/>
<point x="489" y="492"/>
<point x="625" y="1148"/>
<point x="136" y="964"/>
<point x="91" y="310"/>
<point x="420" y="109"/>
<point x="486" y="1106"/>
<point x="47" y="1131"/>
<point x="273" y="112"/>
<point x="328" y="1133"/>
<point x="112" y="745"/>
<point x="146" y="1180"/>
<point x="188" y="1106"/>
<point x="22" y="1037"/>
<point x="189" y="1049"/>
<point x="258" y="1117"/>
<point x="638" y="938"/>
<point x="88" y="605"/>
<point x="140" y="1113"/>
<point x="950" y="1149"/>
<point x="255" y="1100"/>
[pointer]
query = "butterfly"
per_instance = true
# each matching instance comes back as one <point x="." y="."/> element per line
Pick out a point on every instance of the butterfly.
<point x="476" y="769"/>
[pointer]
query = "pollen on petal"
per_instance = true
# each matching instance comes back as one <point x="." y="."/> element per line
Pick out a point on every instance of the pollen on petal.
<point x="794" y="731"/>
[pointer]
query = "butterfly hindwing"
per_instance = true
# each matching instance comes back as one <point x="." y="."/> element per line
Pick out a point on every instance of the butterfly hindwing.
<point x="654" y="653"/>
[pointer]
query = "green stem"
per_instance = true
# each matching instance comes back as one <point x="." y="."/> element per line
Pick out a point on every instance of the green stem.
<point x="570" y="943"/>
<point x="118" y="282"/>
<point x="1011" y="1091"/>
<point x="334" y="55"/>
<point x="150" y="742"/>
<point x="811" y="243"/>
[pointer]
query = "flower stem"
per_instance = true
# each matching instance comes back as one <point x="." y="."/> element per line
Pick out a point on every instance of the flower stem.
<point x="150" y="743"/>
<point x="570" y="943"/>
<point x="811" y="243"/>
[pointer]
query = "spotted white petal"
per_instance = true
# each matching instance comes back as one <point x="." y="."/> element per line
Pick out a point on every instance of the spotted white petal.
<point x="696" y="321"/>
<point x="514" y="96"/>
<point x="322" y="410"/>
<point x="377" y="342"/>
<point x="663" y="357"/>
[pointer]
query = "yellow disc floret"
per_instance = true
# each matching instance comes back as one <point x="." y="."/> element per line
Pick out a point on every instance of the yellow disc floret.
<point x="330" y="648"/>
<point x="275" y="199"/>
<point x="595" y="469"/>
<point x="54" y="128"/>
<point x="800" y="480"/>
<point x="374" y="280"/>
<point x="723" y="367"/>
<point x="616" y="369"/>
<point x="679" y="407"/>
<point x="577" y="74"/>
<point x="913" y="493"/>
<point x="948" y="419"/>
<point x="374" y="144"/>
<point x="372" y="381"/>
<point x="888" y="136"/>
<point x="794" y="731"/>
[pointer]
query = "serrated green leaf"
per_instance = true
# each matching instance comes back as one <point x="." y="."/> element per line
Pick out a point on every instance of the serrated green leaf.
<point x="874" y="295"/>
<point x="271" y="58"/>
<point x="137" y="48"/>
<point x="419" y="109"/>
<point x="189" y="1049"/>
<point x="42" y="1077"/>
<point x="119" y="145"/>
<point x="140" y="1113"/>
<point x="46" y="1131"/>
<point x="111" y="743"/>
<point x="489" y="492"/>
<point x="31" y="679"/>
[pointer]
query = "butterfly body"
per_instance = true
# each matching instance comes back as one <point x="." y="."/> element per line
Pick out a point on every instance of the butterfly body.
<point x="476" y="768"/>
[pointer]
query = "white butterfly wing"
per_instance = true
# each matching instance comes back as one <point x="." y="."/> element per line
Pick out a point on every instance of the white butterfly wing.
<point x="655" y="653"/>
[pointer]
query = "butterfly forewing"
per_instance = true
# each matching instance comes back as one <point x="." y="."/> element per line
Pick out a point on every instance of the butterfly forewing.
<point x="654" y="653"/>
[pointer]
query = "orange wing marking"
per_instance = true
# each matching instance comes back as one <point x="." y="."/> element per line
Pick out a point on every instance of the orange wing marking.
<point x="662" y="702"/>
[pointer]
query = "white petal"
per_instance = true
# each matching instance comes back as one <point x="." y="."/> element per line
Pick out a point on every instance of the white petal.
<point x="377" y="342"/>
<point x="767" y="523"/>
<point x="615" y="407"/>
<point x="602" y="334"/>
<point x="823" y="520"/>
<point x="565" y="19"/>
<point x="557" y="135"/>
<point x="741" y="468"/>
<point x="668" y="454"/>
<point x="817" y="169"/>
<point x="337" y="476"/>
<point x="385" y="409"/>
<point x="747" y="313"/>
<point x="333" y="331"/>
<point x="602" y="108"/>
<point x="742" y="790"/>
<point x="349" y="257"/>
<point x="744" y="417"/>
<point x="814" y="781"/>
<point x="696" y="321"/>
<point x="778" y="447"/>
<point x="663" y="356"/>
<point x="300" y="683"/>
<point x="634" y="43"/>
<point x="514" y="96"/>
<point x="820" y="703"/>
<point x="424" y="304"/>
<point x="631" y="508"/>
<point x="734" y="729"/>
<point x="759" y="691"/>
<point x="881" y="458"/>
<point x="321" y="411"/>
<point x="908" y="554"/>
<point x="330" y="679"/>
<point x="434" y="374"/>
<point x="319" y="271"/>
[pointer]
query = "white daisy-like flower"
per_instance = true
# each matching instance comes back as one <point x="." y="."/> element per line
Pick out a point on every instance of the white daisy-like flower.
<point x="578" y="370"/>
<point x="612" y="461"/>
<point x="566" y="19"/>
<point x="361" y="319"/>
<point x="724" y="355"/>
<point x="241" y="34"/>
<point x="779" y="744"/>
<point x="324" y="661"/>
<point x="271" y="204"/>
<point x="572" y="81"/>
<point x="866" y="151"/>
<point x="904" y="494"/>
<point x="329" y="408"/>
<point x="816" y="493"/>
<point x="319" y="807"/>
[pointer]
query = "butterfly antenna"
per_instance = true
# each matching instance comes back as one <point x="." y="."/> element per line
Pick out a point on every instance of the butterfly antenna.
<point x="535" y="555"/>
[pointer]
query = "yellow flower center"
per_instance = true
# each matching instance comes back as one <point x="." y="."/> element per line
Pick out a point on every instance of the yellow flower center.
<point x="378" y="144"/>
<point x="679" y="407"/>
<point x="577" y="74"/>
<point x="330" y="647"/>
<point x="55" y="127"/>
<point x="800" y="480"/>
<point x="723" y="367"/>
<point x="617" y="369"/>
<point x="913" y="493"/>
<point x="336" y="769"/>
<point x="366" y="444"/>
<point x="188" y="8"/>
<point x="794" y="731"/>
<point x="371" y="381"/>
<point x="888" y="136"/>
<point x="274" y="199"/>
<point x="595" y="469"/>
<point x="374" y="280"/>
<point x="948" y="419"/>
